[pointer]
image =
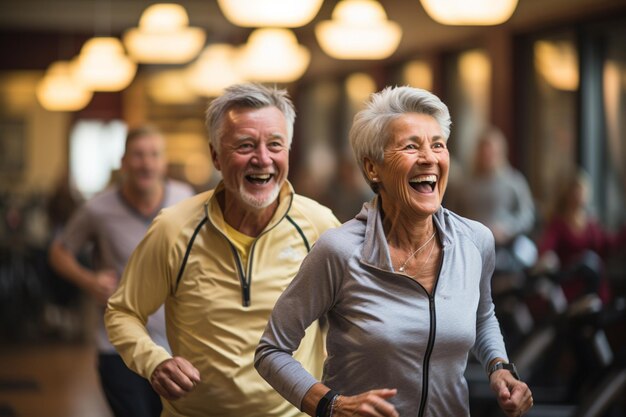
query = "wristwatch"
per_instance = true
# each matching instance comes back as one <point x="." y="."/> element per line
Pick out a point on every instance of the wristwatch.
<point x="504" y="365"/>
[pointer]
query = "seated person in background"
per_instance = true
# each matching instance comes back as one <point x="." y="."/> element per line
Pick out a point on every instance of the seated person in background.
<point x="495" y="194"/>
<point x="574" y="243"/>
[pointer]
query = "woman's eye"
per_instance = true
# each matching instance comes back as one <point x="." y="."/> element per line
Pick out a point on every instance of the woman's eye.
<point x="411" y="146"/>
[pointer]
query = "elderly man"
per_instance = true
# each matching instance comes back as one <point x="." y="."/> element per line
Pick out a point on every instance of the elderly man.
<point x="219" y="261"/>
<point x="115" y="221"/>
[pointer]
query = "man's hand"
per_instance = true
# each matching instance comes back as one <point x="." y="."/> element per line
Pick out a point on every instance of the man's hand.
<point x="514" y="397"/>
<point x="174" y="378"/>
<point x="103" y="286"/>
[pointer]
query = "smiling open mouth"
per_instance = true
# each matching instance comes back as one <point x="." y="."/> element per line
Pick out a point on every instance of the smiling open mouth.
<point x="423" y="183"/>
<point x="259" y="179"/>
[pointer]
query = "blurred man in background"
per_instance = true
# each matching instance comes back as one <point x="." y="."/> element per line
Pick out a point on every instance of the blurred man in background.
<point x="113" y="223"/>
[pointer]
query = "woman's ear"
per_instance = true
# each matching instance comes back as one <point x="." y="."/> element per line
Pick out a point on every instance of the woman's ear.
<point x="370" y="170"/>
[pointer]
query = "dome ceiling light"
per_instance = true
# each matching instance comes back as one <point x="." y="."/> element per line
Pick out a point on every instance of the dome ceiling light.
<point x="58" y="91"/>
<point x="270" y="13"/>
<point x="273" y="55"/>
<point x="470" y="12"/>
<point x="164" y="36"/>
<point x="359" y="29"/>
<point x="214" y="70"/>
<point x="103" y="66"/>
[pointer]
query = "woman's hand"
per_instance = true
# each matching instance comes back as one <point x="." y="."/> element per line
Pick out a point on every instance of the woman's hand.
<point x="514" y="397"/>
<point x="371" y="403"/>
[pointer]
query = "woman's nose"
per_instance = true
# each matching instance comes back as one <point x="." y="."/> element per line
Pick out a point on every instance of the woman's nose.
<point x="426" y="156"/>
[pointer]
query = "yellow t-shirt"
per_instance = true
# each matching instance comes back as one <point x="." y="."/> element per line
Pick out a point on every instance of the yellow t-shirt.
<point x="240" y="241"/>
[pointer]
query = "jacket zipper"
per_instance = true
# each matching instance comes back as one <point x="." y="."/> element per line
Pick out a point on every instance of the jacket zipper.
<point x="245" y="283"/>
<point x="429" y="351"/>
<point x="246" y="279"/>
<point x="431" y="341"/>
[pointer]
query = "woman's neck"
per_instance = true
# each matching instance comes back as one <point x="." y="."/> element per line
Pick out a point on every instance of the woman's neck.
<point x="405" y="231"/>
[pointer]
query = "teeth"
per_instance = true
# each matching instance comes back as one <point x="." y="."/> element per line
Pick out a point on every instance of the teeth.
<point x="423" y="178"/>
<point x="260" y="176"/>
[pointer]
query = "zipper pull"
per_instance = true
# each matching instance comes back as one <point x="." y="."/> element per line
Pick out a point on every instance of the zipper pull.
<point x="246" y="296"/>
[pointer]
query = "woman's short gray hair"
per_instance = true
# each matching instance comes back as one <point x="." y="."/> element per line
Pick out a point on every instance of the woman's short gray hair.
<point x="369" y="135"/>
<point x="251" y="96"/>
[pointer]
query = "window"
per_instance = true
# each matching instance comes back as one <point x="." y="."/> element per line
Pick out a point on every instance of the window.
<point x="96" y="149"/>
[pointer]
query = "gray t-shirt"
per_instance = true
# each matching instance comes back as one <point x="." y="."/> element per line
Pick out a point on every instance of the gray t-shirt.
<point x="115" y="228"/>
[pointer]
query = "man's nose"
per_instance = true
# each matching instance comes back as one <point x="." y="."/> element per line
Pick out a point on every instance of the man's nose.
<point x="262" y="156"/>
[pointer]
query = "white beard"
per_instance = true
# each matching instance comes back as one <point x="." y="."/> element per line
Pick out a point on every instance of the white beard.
<point x="256" y="202"/>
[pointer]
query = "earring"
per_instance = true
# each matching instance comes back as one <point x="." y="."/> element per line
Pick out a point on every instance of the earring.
<point x="375" y="179"/>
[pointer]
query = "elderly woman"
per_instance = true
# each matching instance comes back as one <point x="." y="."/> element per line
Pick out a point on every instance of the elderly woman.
<point x="404" y="286"/>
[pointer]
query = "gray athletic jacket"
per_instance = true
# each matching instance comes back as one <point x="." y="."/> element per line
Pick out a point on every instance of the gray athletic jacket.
<point x="385" y="330"/>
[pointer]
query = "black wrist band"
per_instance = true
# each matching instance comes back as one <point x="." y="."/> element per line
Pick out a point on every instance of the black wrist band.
<point x="322" y="405"/>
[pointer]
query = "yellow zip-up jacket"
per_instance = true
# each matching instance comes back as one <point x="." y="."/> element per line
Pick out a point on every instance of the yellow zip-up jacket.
<point x="216" y="308"/>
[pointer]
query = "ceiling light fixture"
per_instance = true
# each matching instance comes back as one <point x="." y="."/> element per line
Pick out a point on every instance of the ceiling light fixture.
<point x="58" y="91"/>
<point x="169" y="87"/>
<point x="103" y="66"/>
<point x="274" y="13"/>
<point x="214" y="70"/>
<point x="273" y="55"/>
<point x="164" y="36"/>
<point x="359" y="29"/>
<point x="470" y="12"/>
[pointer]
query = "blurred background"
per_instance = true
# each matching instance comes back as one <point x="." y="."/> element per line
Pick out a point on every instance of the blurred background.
<point x="75" y="75"/>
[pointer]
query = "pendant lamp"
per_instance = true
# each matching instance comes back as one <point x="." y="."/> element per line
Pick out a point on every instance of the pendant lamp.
<point x="103" y="66"/>
<point x="273" y="55"/>
<point x="270" y="13"/>
<point x="359" y="29"/>
<point x="214" y="70"/>
<point x="58" y="91"/>
<point x="164" y="36"/>
<point x="470" y="12"/>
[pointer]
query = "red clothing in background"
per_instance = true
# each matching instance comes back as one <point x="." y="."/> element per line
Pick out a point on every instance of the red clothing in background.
<point x="570" y="245"/>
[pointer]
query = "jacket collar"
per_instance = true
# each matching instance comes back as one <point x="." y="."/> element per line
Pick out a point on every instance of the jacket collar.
<point x="375" y="251"/>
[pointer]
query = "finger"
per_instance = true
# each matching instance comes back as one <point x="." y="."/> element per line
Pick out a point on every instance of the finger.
<point x="369" y="410"/>
<point x="384" y="393"/>
<point x="375" y="404"/>
<point x="171" y="378"/>
<point x="188" y="369"/>
<point x="384" y="408"/>
<point x="184" y="382"/>
<point x="165" y="389"/>
<point x="503" y="392"/>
